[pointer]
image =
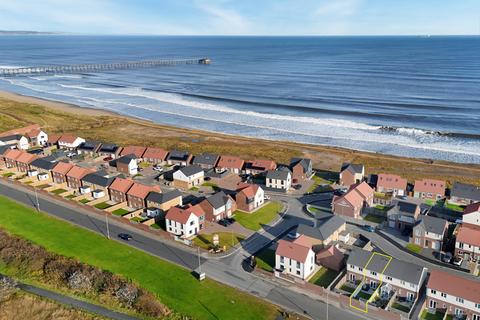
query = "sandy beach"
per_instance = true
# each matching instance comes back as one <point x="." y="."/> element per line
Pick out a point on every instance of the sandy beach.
<point x="112" y="127"/>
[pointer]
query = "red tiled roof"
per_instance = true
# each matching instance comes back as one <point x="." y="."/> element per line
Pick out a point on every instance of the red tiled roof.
<point x="78" y="172"/>
<point x="197" y="210"/>
<point x="12" y="154"/>
<point x="62" y="167"/>
<point x="121" y="185"/>
<point x="155" y="153"/>
<point x="230" y="162"/>
<point x="22" y="131"/>
<point x="249" y="190"/>
<point x="430" y="186"/>
<point x="179" y="215"/>
<point x="141" y="191"/>
<point x="352" y="196"/>
<point x="304" y="240"/>
<point x="53" y="138"/>
<point x="391" y="181"/>
<point x="26" y="158"/>
<point x="469" y="234"/>
<point x="468" y="289"/>
<point x="67" y="138"/>
<point x="292" y="250"/>
<point x="474" y="207"/>
<point x="364" y="189"/>
<point x="264" y="164"/>
<point x="136" y="150"/>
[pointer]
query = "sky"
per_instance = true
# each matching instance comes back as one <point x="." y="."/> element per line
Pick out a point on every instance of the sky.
<point x="243" y="17"/>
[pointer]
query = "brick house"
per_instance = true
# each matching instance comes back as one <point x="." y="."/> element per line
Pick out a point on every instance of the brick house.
<point x="10" y="157"/>
<point x="137" y="195"/>
<point x="249" y="197"/>
<point x="405" y="278"/>
<point x="403" y="215"/>
<point x="127" y="164"/>
<point x="429" y="189"/>
<point x="454" y="295"/>
<point x="164" y="201"/>
<point x="137" y="151"/>
<point x="185" y="223"/>
<point x="464" y="194"/>
<point x="231" y="164"/>
<point x="179" y="158"/>
<point x="155" y="155"/>
<point x="430" y="232"/>
<point x="218" y="206"/>
<point x="97" y="183"/>
<point x="59" y="172"/>
<point x="188" y="177"/>
<point x="24" y="160"/>
<point x="351" y="173"/>
<point x="206" y="160"/>
<point x="391" y="183"/>
<point x="89" y="148"/>
<point x="75" y="176"/>
<point x="259" y="166"/>
<point x="119" y="188"/>
<point x="44" y="166"/>
<point x="301" y="168"/>
<point x="352" y="203"/>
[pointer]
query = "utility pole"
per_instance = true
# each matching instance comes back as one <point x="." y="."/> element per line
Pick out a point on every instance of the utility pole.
<point x="199" y="262"/>
<point x="106" y="222"/>
<point x="36" y="199"/>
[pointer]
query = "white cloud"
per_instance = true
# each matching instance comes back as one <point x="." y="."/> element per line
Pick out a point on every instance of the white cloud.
<point x="338" y="8"/>
<point x="224" y="20"/>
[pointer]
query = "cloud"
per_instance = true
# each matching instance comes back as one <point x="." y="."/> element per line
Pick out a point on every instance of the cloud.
<point x="338" y="8"/>
<point x="224" y="20"/>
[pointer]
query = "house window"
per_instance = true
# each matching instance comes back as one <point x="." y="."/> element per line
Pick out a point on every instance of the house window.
<point x="444" y="295"/>
<point x="460" y="245"/>
<point x="373" y="273"/>
<point x="192" y="222"/>
<point x="433" y="291"/>
<point x="360" y="269"/>
<point x="459" y="300"/>
<point x="298" y="265"/>
<point x="282" y="259"/>
<point x="389" y="278"/>
<point x="475" y="317"/>
<point x="477" y="305"/>
<point x="298" y="272"/>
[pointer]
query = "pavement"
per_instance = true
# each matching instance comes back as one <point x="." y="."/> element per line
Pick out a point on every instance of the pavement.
<point x="227" y="270"/>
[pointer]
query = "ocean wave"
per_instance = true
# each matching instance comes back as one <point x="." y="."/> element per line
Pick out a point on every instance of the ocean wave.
<point x="10" y="67"/>
<point x="68" y="76"/>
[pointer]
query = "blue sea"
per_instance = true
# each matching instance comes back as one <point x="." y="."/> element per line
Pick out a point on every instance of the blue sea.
<point x="408" y="96"/>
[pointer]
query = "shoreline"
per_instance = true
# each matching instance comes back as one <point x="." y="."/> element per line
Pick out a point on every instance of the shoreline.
<point x="324" y="157"/>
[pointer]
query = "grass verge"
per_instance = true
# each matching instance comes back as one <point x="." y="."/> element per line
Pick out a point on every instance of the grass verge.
<point x="266" y="259"/>
<point x="413" y="247"/>
<point x="256" y="220"/>
<point x="374" y="218"/>
<point x="226" y="239"/>
<point x="323" y="277"/>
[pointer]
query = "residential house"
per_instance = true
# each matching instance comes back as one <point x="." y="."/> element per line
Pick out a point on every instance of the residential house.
<point x="75" y="176"/>
<point x="218" y="206"/>
<point x="24" y="160"/>
<point x="301" y="168"/>
<point x="59" y="172"/>
<point x="137" y="151"/>
<point x="53" y="140"/>
<point x="295" y="259"/>
<point x="33" y="133"/>
<point x="89" y="148"/>
<point x="109" y="150"/>
<point x="206" y="160"/>
<point x="188" y="177"/>
<point x="430" y="232"/>
<point x="164" y="201"/>
<point x="331" y="257"/>
<point x="119" y="188"/>
<point x="37" y="137"/>
<point x="471" y="214"/>
<point x="43" y="167"/>
<point x="185" y="223"/>
<point x="179" y="158"/>
<point x="137" y="195"/>
<point x="11" y="157"/>
<point x="391" y="183"/>
<point x="464" y="194"/>
<point x="249" y="197"/>
<point x="351" y="173"/>
<point x="231" y="164"/>
<point x="403" y="215"/>
<point x="404" y="278"/>
<point x="467" y="243"/>
<point x="155" y="156"/>
<point x="3" y="150"/>
<point x="69" y="142"/>
<point x="429" y="189"/>
<point x="97" y="184"/>
<point x="280" y="179"/>
<point x="326" y="231"/>
<point x="259" y="166"/>
<point x="18" y="140"/>
<point x="127" y="164"/>
<point x="352" y="203"/>
<point x="454" y="295"/>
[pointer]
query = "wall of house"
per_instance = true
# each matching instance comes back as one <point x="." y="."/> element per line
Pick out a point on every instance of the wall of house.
<point x="344" y="208"/>
<point x="279" y="184"/>
<point x="22" y="167"/>
<point x="347" y="178"/>
<point x="117" y="196"/>
<point x="59" y="178"/>
<point x="464" y="248"/>
<point x="472" y="218"/>
<point x="73" y="183"/>
<point x="294" y="268"/>
<point x="298" y="173"/>
<point x="449" y="302"/>
<point x="135" y="202"/>
<point x="182" y="184"/>
<point x="166" y="205"/>
<point x="189" y="229"/>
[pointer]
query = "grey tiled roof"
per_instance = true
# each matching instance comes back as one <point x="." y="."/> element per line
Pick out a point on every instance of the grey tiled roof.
<point x="397" y="269"/>
<point x="178" y="155"/>
<point x="108" y="148"/>
<point x="206" y="158"/>
<point x="325" y="227"/>
<point x="279" y="174"/>
<point x="126" y="159"/>
<point x="46" y="163"/>
<point x="163" y="197"/>
<point x="403" y="207"/>
<point x="190" y="170"/>
<point x="100" y="178"/>
<point x="218" y="200"/>
<point x="466" y="191"/>
<point x="305" y="163"/>
<point x="432" y="224"/>
<point x="11" y="137"/>
<point x="89" y="145"/>
<point x="352" y="167"/>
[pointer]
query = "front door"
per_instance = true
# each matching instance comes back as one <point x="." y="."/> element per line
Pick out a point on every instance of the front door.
<point x="433" y="304"/>
<point x="352" y="277"/>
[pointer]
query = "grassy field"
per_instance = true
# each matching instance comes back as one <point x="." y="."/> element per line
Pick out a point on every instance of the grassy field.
<point x="256" y="220"/>
<point x="323" y="277"/>
<point x="413" y="247"/>
<point x="70" y="196"/>
<point x="266" y="259"/>
<point x="174" y="286"/>
<point x="374" y="218"/>
<point x="8" y="174"/>
<point x="226" y="239"/>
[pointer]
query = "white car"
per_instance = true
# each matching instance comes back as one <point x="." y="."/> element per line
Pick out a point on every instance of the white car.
<point x="159" y="169"/>
<point x="266" y="197"/>
<point x="71" y="154"/>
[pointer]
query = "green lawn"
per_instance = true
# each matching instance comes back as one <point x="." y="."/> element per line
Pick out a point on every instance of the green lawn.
<point x="120" y="212"/>
<point x="194" y="189"/>
<point x="84" y="201"/>
<point x="401" y="307"/>
<point x="58" y="191"/>
<point x="266" y="259"/>
<point x="413" y="247"/>
<point x="363" y="295"/>
<point x="43" y="186"/>
<point x="317" y="181"/>
<point x="70" y="196"/>
<point x="212" y="185"/>
<point x="454" y="207"/>
<point x="429" y="316"/>
<point x="347" y="288"/>
<point x="374" y="218"/>
<point x="102" y="205"/>
<point x="8" y="174"/>
<point x="380" y="207"/>
<point x="323" y="277"/>
<point x="174" y="286"/>
<point x="429" y="202"/>
<point x="138" y="219"/>
<point x="262" y="216"/>
<point x="226" y="239"/>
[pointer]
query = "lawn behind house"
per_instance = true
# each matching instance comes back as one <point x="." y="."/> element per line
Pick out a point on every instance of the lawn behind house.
<point x="323" y="277"/>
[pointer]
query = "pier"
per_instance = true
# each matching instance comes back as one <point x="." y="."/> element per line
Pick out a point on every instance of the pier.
<point x="99" y="67"/>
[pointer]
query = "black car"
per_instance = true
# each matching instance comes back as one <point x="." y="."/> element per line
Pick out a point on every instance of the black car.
<point x="225" y="222"/>
<point x="125" y="236"/>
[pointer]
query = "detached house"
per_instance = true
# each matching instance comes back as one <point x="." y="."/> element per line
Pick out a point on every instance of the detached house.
<point x="155" y="156"/>
<point x="403" y="215"/>
<point x="454" y="295"/>
<point x="127" y="164"/>
<point x="59" y="172"/>
<point x="259" y="166"/>
<point x="464" y="194"/>
<point x="188" y="177"/>
<point x="467" y="242"/>
<point x="354" y="201"/>
<point x="430" y="232"/>
<point x="326" y="231"/>
<point x="471" y="214"/>
<point x="218" y="207"/>
<point x="429" y="189"/>
<point x="109" y="150"/>
<point x="33" y="133"/>
<point x="138" y="193"/>
<point x="206" y="160"/>
<point x="75" y="176"/>
<point x="119" y="188"/>
<point x="137" y="151"/>
<point x="301" y="168"/>
<point x="185" y="223"/>
<point x="351" y="173"/>
<point x="231" y="164"/>
<point x="89" y="148"/>
<point x="404" y="278"/>
<point x="280" y="179"/>
<point x="391" y="183"/>
<point x="18" y="140"/>
<point x="249" y="197"/>
<point x="69" y="142"/>
<point x="179" y="158"/>
<point x="295" y="259"/>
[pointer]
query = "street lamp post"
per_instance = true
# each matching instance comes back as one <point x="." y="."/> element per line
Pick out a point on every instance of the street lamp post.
<point x="106" y="222"/>
<point x="327" y="303"/>
<point x="36" y="199"/>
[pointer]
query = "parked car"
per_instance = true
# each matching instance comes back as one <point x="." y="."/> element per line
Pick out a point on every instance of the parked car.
<point x="108" y="159"/>
<point x="266" y="197"/>
<point x="125" y="236"/>
<point x="297" y="187"/>
<point x="458" y="261"/>
<point x="368" y="228"/>
<point x="447" y="257"/>
<point x="157" y="168"/>
<point x="71" y="154"/>
<point x="225" y="222"/>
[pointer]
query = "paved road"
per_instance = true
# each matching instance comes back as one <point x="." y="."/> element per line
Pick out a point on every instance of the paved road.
<point x="227" y="271"/>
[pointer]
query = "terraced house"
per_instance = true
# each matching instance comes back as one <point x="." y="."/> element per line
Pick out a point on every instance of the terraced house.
<point x="59" y="172"/>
